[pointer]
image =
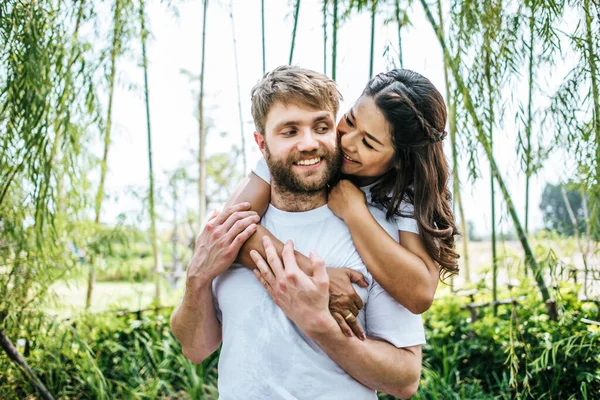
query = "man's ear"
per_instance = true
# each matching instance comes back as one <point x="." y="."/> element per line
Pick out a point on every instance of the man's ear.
<point x="260" y="141"/>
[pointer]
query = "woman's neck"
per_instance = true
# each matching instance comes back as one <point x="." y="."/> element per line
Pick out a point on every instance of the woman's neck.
<point x="362" y="180"/>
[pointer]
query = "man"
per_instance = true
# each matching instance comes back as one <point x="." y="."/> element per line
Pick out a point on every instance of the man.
<point x="282" y="343"/>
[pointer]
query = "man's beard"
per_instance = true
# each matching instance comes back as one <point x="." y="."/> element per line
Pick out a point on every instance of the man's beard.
<point x="282" y="173"/>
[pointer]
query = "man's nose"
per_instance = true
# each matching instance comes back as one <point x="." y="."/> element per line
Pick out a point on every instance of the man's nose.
<point x="308" y="141"/>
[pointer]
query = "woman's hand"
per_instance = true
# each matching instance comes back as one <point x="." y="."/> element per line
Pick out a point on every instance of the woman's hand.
<point x="344" y="302"/>
<point x="345" y="197"/>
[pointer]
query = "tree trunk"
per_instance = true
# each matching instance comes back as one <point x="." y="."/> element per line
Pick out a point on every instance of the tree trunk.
<point x="103" y="165"/>
<point x="334" y="46"/>
<point x="483" y="140"/>
<point x="14" y="355"/>
<point x="202" y="136"/>
<point x="373" y="12"/>
<point x="455" y="176"/>
<point x="150" y="169"/>
<point x="296" y="13"/>
<point x="237" y="81"/>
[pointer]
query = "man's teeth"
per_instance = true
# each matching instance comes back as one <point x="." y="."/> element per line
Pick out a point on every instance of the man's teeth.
<point x="346" y="157"/>
<point x="312" y="161"/>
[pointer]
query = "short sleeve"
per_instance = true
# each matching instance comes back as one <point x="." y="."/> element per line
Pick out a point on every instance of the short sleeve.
<point x="406" y="223"/>
<point x="387" y="320"/>
<point x="262" y="170"/>
<point x="218" y="312"/>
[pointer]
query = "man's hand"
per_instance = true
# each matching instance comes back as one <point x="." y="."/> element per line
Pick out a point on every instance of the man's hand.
<point x="219" y="242"/>
<point x="304" y="299"/>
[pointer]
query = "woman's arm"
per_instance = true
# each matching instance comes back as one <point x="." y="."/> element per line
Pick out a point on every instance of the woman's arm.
<point x="343" y="297"/>
<point x="405" y="270"/>
<point x="257" y="192"/>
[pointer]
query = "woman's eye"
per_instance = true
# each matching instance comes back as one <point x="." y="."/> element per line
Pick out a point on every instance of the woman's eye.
<point x="348" y="121"/>
<point x="367" y="144"/>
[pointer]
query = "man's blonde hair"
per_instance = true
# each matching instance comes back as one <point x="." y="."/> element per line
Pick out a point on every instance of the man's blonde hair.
<point x="290" y="84"/>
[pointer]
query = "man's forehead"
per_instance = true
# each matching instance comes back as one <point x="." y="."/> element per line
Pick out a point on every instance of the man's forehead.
<point x="285" y="113"/>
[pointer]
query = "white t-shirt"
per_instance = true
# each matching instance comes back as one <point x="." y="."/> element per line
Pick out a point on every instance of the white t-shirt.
<point x="264" y="355"/>
<point x="403" y="223"/>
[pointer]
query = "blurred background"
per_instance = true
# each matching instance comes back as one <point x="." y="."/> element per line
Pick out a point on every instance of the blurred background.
<point x="124" y="122"/>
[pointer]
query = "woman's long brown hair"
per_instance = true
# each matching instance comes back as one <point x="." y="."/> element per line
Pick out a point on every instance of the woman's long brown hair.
<point x="416" y="113"/>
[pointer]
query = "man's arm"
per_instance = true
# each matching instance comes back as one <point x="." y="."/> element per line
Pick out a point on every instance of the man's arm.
<point x="194" y="321"/>
<point x="374" y="363"/>
<point x="304" y="299"/>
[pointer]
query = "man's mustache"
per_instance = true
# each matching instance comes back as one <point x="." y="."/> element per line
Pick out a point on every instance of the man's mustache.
<point x="312" y="154"/>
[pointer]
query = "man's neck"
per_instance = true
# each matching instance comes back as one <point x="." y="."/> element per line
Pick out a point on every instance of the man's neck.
<point x="297" y="202"/>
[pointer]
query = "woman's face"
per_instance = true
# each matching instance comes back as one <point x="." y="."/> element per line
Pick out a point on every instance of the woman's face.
<point x="366" y="142"/>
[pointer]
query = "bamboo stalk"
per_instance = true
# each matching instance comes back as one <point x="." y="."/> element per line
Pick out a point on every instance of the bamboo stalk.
<point x="591" y="60"/>
<point x="262" y="17"/>
<point x="373" y="12"/>
<point x="483" y="140"/>
<point x="334" y="47"/>
<point x="453" y="139"/>
<point x="150" y="169"/>
<point x="202" y="133"/>
<point x="400" y="23"/>
<point x="529" y="118"/>
<point x="237" y="81"/>
<point x="103" y="165"/>
<point x="325" y="37"/>
<point x="296" y="13"/>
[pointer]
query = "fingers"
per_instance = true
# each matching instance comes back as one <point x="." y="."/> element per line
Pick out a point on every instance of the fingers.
<point x="235" y="217"/>
<point x="264" y="271"/>
<point x="356" y="277"/>
<point x="222" y="217"/>
<point x="241" y="238"/>
<point x="355" y="298"/>
<point x="239" y="226"/>
<point x="263" y="281"/>
<point x="342" y="323"/>
<point x="352" y="321"/>
<point x="320" y="276"/>
<point x="273" y="257"/>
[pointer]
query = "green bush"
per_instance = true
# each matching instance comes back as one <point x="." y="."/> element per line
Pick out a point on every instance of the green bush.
<point x="520" y="353"/>
<point x="106" y="357"/>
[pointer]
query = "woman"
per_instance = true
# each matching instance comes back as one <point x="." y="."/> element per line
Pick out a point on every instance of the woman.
<point x="391" y="140"/>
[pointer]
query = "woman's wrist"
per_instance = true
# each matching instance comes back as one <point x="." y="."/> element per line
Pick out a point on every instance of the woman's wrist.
<point x="358" y="214"/>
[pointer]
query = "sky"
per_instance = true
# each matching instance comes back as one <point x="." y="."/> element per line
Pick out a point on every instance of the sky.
<point x="175" y="47"/>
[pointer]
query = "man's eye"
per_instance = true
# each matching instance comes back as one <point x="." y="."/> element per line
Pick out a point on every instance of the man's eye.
<point x="348" y="121"/>
<point x="322" y="129"/>
<point x="367" y="144"/>
<point x="289" y="133"/>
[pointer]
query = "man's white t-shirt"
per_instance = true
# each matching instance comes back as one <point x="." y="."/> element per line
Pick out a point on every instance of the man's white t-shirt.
<point x="264" y="355"/>
<point x="406" y="224"/>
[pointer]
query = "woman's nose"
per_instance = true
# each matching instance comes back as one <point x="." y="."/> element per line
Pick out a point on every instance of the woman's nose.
<point x="348" y="140"/>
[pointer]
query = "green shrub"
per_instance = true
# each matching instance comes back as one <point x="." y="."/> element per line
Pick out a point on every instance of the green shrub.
<point x="106" y="357"/>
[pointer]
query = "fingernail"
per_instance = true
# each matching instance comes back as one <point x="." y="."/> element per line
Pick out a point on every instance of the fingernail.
<point x="363" y="337"/>
<point x="349" y="334"/>
<point x="253" y="253"/>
